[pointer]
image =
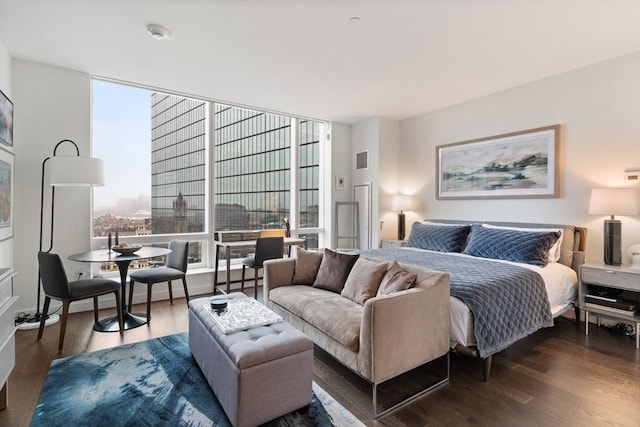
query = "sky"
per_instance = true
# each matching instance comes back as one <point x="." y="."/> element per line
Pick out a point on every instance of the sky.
<point x="122" y="139"/>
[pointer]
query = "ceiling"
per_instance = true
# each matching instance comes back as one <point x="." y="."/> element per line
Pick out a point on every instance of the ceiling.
<point x="309" y="58"/>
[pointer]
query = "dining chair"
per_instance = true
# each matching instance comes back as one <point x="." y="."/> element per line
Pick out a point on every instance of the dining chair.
<point x="266" y="248"/>
<point x="56" y="286"/>
<point x="175" y="268"/>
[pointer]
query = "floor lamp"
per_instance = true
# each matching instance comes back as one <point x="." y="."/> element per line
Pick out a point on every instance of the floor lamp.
<point x="63" y="171"/>
<point x="613" y="201"/>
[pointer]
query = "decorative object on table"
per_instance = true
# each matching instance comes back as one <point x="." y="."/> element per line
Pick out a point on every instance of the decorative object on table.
<point x="287" y="227"/>
<point x="117" y="239"/>
<point x="242" y="314"/>
<point x="63" y="171"/>
<point x="6" y="194"/>
<point x="401" y="203"/>
<point x="168" y="386"/>
<point x="514" y="165"/>
<point x="125" y="248"/>
<point x="6" y="120"/>
<point x="109" y="242"/>
<point x="634" y="255"/>
<point x="218" y="304"/>
<point x="613" y="201"/>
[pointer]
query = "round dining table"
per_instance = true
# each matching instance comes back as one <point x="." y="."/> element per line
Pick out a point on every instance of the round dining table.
<point x="122" y="261"/>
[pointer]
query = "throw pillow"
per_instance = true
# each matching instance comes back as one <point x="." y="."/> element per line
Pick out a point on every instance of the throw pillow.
<point x="334" y="270"/>
<point x="441" y="238"/>
<point x="395" y="280"/>
<point x="364" y="280"/>
<point x="511" y="245"/>
<point x="307" y="265"/>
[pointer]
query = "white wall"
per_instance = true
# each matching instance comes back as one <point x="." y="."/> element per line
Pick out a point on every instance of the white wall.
<point x="51" y="104"/>
<point x="599" y="110"/>
<point x="6" y="246"/>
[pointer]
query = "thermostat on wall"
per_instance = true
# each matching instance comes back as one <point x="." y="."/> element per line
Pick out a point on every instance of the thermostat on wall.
<point x="632" y="175"/>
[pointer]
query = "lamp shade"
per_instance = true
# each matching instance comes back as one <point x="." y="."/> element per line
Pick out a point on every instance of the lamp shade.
<point x="401" y="202"/>
<point x="613" y="201"/>
<point x="76" y="171"/>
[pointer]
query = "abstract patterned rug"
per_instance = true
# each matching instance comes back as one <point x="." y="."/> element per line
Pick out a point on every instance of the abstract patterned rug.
<point x="151" y="383"/>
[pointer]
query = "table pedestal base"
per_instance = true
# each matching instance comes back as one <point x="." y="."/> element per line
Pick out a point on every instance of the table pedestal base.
<point x="110" y="324"/>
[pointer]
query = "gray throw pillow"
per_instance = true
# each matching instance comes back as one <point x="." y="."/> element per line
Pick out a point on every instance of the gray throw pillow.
<point x="307" y="265"/>
<point x="395" y="280"/>
<point x="364" y="280"/>
<point x="334" y="270"/>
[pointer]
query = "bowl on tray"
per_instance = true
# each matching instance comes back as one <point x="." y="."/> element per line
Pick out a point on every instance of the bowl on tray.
<point x="127" y="250"/>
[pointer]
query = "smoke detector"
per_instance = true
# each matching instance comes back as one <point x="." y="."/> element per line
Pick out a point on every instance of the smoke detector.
<point x="158" y="32"/>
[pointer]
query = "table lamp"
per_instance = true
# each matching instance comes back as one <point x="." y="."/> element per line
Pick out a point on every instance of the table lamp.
<point x="401" y="202"/>
<point x="63" y="171"/>
<point x="613" y="201"/>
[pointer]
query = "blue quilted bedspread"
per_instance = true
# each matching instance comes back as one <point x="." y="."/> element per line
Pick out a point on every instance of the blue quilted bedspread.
<point x="508" y="302"/>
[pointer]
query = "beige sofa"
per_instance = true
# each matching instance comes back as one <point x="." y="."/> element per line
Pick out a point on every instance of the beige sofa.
<point x="387" y="336"/>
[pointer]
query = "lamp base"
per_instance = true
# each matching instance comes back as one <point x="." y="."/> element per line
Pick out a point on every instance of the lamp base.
<point x="612" y="241"/>
<point x="35" y="324"/>
<point x="401" y="228"/>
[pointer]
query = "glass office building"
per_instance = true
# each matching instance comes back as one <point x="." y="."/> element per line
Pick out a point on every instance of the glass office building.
<point x="178" y="164"/>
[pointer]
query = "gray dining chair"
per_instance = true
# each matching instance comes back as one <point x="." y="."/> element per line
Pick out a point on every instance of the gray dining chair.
<point x="175" y="268"/>
<point x="266" y="248"/>
<point x="56" y="286"/>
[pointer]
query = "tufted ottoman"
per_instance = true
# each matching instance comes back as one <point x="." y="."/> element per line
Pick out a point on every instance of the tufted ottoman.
<point x="257" y="374"/>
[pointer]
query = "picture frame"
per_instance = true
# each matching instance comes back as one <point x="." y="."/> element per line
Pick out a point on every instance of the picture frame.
<point x="522" y="164"/>
<point x="6" y="194"/>
<point x="6" y="120"/>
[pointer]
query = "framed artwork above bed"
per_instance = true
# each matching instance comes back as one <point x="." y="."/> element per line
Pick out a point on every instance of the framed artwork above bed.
<point x="521" y="164"/>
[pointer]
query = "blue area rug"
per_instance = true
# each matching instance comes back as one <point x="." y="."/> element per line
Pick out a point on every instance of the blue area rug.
<point x="151" y="383"/>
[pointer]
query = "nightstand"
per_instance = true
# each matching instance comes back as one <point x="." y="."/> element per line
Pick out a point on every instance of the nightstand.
<point x="392" y="243"/>
<point x="617" y="278"/>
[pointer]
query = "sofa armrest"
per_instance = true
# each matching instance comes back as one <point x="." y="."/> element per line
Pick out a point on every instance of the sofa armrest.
<point x="277" y="272"/>
<point x="404" y="330"/>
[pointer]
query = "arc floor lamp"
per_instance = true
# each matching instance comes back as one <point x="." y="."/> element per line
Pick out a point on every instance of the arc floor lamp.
<point x="63" y="171"/>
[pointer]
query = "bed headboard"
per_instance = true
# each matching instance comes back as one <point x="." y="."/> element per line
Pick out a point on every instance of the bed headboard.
<point x="574" y="238"/>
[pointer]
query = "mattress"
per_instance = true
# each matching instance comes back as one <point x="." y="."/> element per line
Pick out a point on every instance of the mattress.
<point x="561" y="284"/>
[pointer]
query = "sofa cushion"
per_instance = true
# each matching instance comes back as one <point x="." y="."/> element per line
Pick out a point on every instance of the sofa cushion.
<point x="396" y="279"/>
<point x="338" y="317"/>
<point x="334" y="270"/>
<point x="307" y="265"/>
<point x="294" y="298"/>
<point x="364" y="280"/>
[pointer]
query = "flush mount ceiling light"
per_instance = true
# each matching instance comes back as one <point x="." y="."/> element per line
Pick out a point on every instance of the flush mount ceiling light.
<point x="158" y="32"/>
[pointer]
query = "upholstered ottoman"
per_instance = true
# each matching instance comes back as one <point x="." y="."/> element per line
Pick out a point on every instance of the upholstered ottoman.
<point x="257" y="374"/>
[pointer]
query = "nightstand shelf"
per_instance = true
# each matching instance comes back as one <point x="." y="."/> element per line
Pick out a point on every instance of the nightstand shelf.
<point x="386" y="243"/>
<point x="617" y="278"/>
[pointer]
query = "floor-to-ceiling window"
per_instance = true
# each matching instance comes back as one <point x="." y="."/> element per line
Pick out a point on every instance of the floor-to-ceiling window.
<point x="156" y="147"/>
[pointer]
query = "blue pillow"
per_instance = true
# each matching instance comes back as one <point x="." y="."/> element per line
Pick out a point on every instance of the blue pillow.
<point x="441" y="238"/>
<point x="511" y="245"/>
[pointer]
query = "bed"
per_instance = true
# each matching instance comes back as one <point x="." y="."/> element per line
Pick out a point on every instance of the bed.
<point x="508" y="280"/>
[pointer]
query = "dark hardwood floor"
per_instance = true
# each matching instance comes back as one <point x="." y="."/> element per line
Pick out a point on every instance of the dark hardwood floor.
<point x="555" y="377"/>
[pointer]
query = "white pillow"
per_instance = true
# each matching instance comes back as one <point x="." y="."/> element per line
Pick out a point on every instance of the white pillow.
<point x="554" y="252"/>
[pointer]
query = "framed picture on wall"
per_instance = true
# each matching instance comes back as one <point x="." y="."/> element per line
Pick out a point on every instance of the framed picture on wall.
<point x="6" y="194"/>
<point x="515" y="165"/>
<point x="6" y="120"/>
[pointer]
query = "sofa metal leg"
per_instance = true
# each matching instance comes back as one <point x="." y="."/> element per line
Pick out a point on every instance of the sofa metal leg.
<point x="438" y="374"/>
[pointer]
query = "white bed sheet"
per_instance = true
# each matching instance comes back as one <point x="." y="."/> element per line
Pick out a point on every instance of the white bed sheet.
<point x="560" y="281"/>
